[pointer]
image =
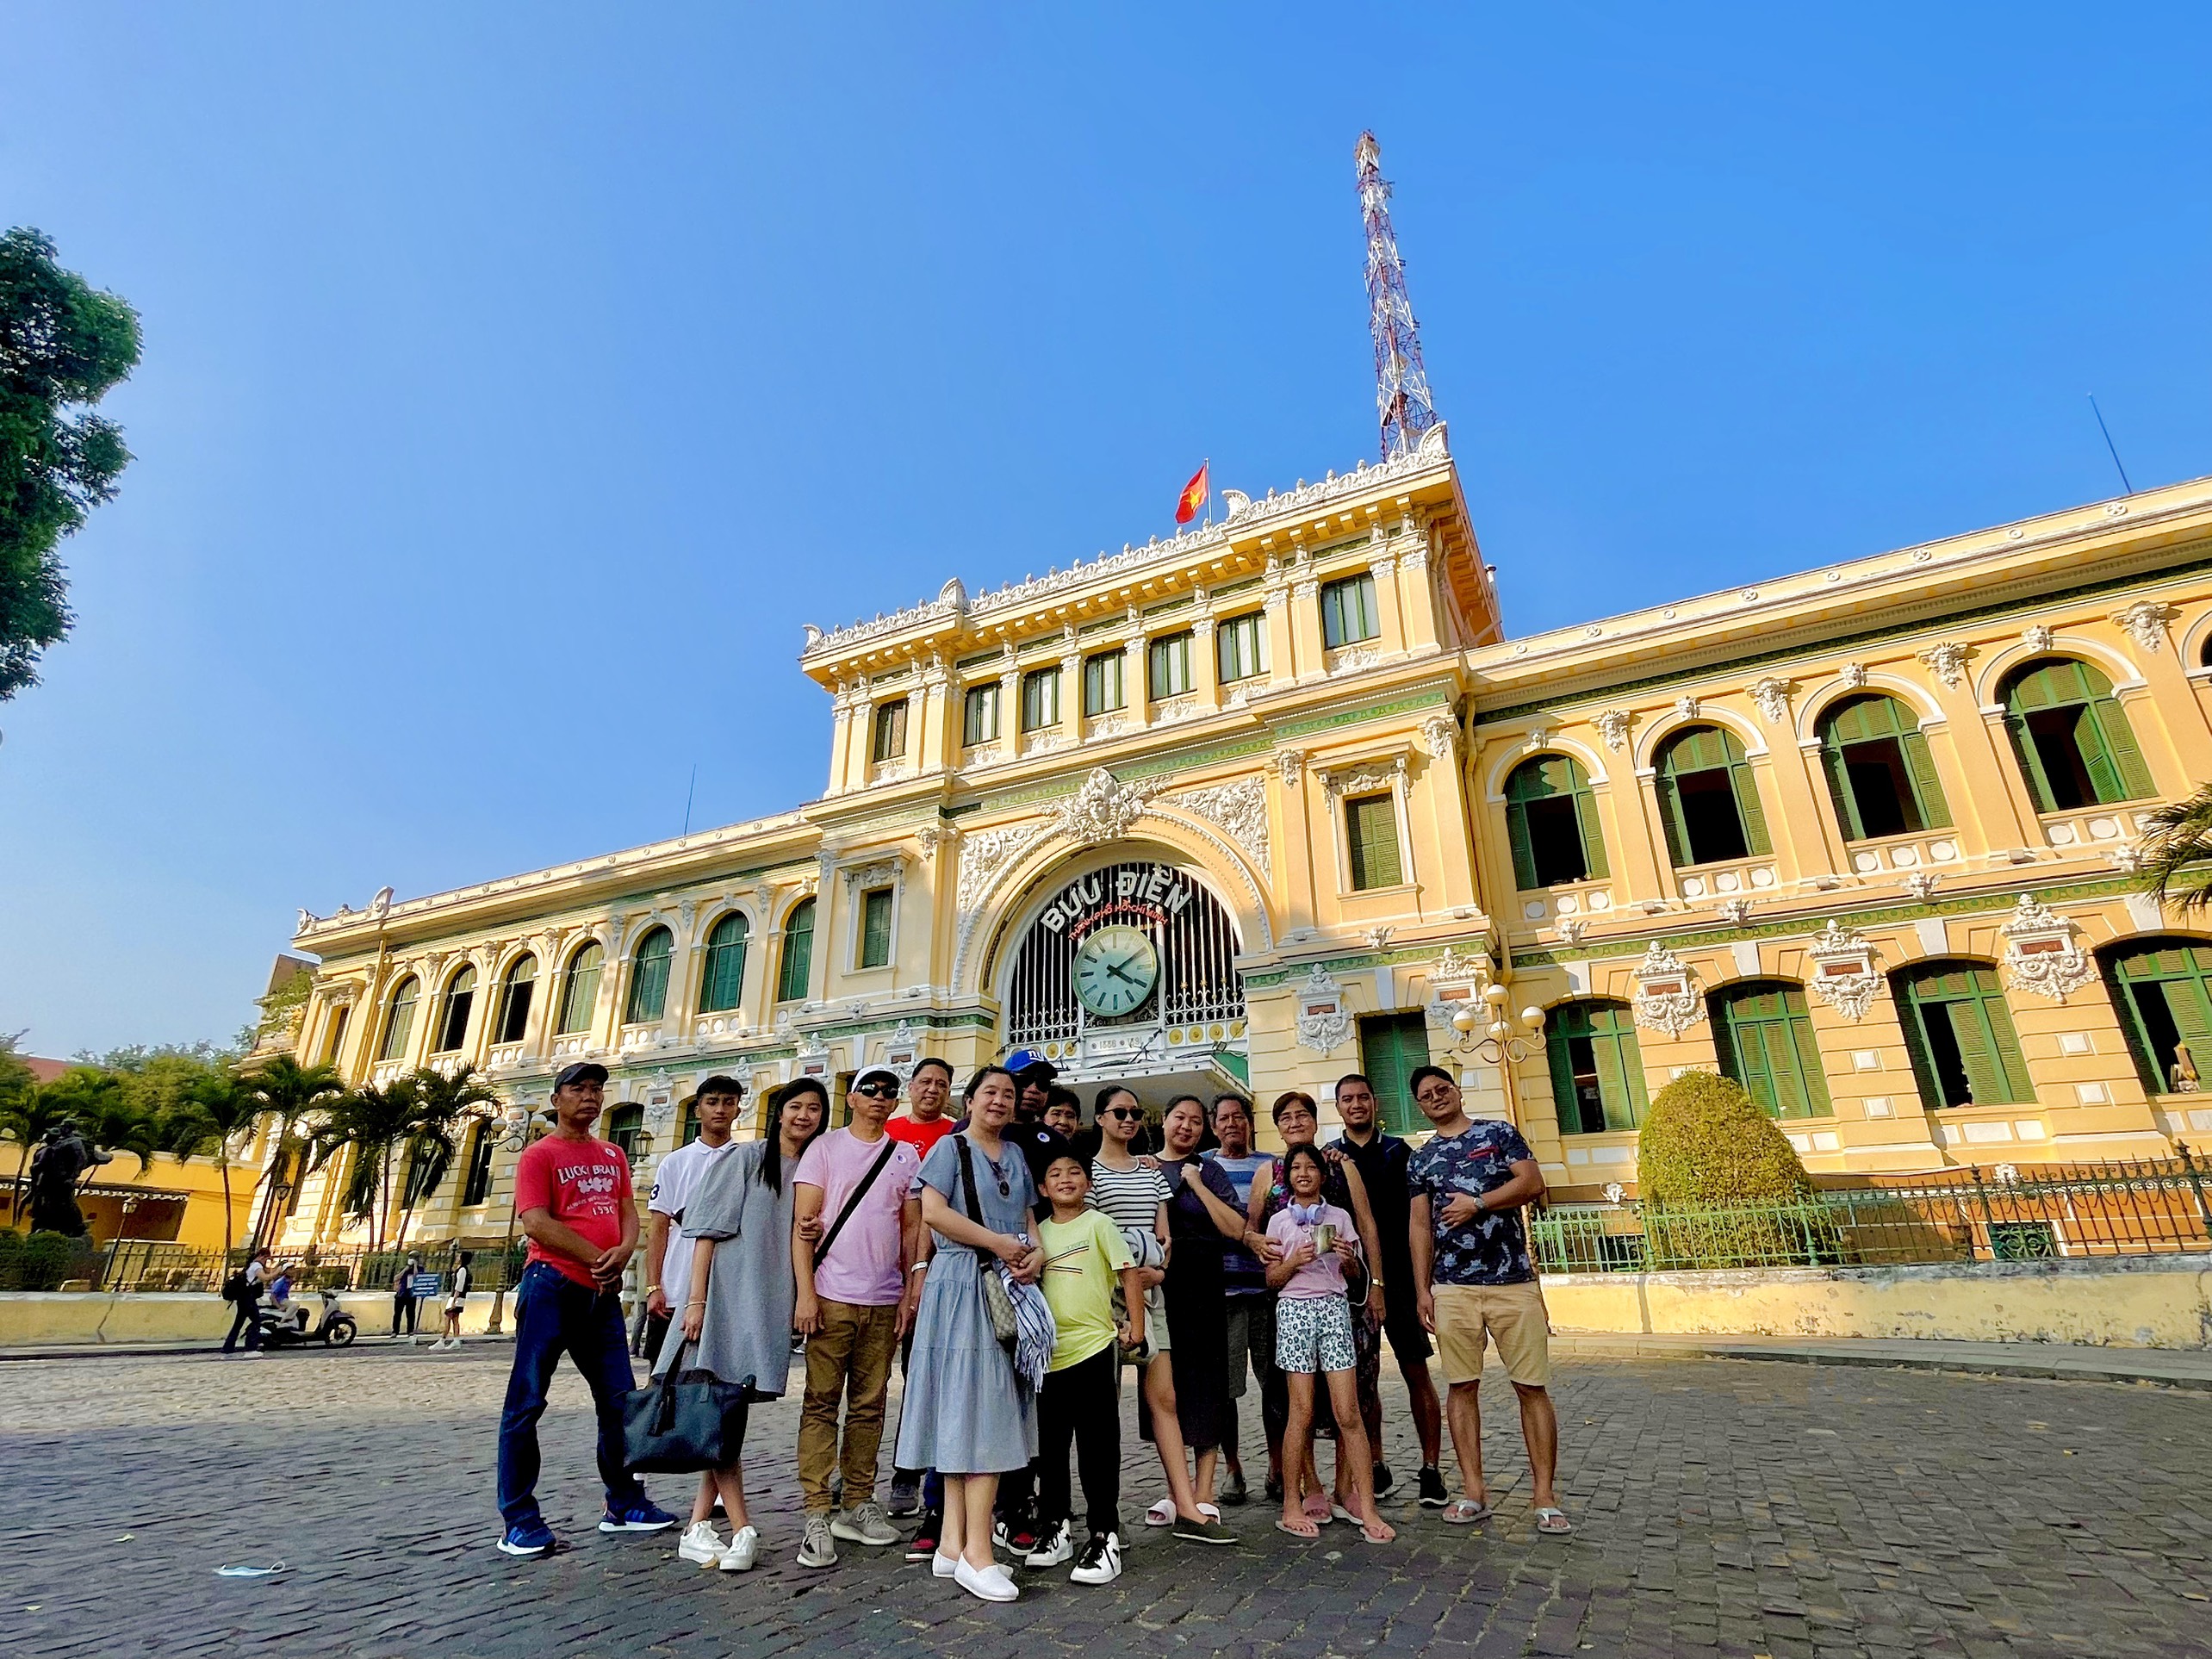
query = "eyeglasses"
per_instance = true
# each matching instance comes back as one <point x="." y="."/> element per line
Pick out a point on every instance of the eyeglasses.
<point x="1127" y="1114"/>
<point x="878" y="1091"/>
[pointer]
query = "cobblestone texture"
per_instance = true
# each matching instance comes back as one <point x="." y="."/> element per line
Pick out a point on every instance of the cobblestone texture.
<point x="1724" y="1508"/>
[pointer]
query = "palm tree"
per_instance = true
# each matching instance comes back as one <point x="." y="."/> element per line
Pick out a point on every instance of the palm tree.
<point x="443" y="1106"/>
<point x="286" y="1091"/>
<point x="218" y="1115"/>
<point x="370" y="1123"/>
<point x="2177" y="851"/>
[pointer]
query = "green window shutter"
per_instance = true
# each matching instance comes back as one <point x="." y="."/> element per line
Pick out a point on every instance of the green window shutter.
<point x="1915" y="1011"/>
<point x="1371" y="839"/>
<point x="1524" y="850"/>
<point x="1559" y="1033"/>
<point x="1391" y="1047"/>
<point x="648" y="977"/>
<point x="1620" y="1066"/>
<point x="1765" y="1042"/>
<point x="875" y="928"/>
<point x="1586" y="820"/>
<point x="2131" y="778"/>
<point x="797" y="952"/>
<point x="2189" y="1004"/>
<point x="1926" y="787"/>
<point x="580" y="992"/>
<point x="1746" y="787"/>
<point x="399" y="1024"/>
<point x="1811" y="1078"/>
<point x="2031" y="761"/>
<point x="1670" y="814"/>
<point x="1839" y="788"/>
<point x="722" y="986"/>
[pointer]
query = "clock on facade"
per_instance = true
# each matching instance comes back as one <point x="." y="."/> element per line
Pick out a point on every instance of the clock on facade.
<point x="1116" y="969"/>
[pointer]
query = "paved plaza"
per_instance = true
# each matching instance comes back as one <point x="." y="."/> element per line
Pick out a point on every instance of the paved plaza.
<point x="1724" y="1508"/>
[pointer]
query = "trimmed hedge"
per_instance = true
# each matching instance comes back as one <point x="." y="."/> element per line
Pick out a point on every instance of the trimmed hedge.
<point x="1705" y="1142"/>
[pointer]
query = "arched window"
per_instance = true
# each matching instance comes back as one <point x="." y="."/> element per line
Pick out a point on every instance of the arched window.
<point x="1551" y="818"/>
<point x="1959" y="1034"/>
<point x="1597" y="1074"/>
<point x="399" y="1020"/>
<point x="453" y="1012"/>
<point x="579" y="989"/>
<point x="1880" y="774"/>
<point x="797" y="952"/>
<point x="649" y="976"/>
<point x="2072" y="735"/>
<point x="2164" y="990"/>
<point x="476" y="1188"/>
<point x="722" y="985"/>
<point x="1708" y="800"/>
<point x="515" y="991"/>
<point x="1764" y="1036"/>
<point x="625" y="1126"/>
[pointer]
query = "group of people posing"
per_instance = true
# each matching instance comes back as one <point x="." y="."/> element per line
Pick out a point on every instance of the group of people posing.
<point x="1014" y="1260"/>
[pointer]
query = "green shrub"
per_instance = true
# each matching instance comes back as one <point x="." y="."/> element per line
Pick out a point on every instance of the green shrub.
<point x="47" y="1259"/>
<point x="1705" y="1142"/>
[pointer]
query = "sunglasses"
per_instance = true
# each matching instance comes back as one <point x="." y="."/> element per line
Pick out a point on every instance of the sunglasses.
<point x="1127" y="1114"/>
<point x="878" y="1091"/>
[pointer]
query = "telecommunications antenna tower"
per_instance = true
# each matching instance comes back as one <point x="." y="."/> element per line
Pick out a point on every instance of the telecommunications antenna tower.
<point x="1401" y="388"/>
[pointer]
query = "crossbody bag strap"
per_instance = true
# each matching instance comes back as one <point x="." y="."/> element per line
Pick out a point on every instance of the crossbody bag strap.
<point x="967" y="1181"/>
<point x="853" y="1203"/>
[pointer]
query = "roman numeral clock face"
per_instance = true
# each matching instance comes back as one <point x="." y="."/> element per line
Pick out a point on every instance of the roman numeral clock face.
<point x="1116" y="969"/>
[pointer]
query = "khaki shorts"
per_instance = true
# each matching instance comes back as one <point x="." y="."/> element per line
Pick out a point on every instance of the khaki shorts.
<point x="1511" y="1315"/>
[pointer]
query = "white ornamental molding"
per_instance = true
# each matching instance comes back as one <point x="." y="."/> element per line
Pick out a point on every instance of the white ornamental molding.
<point x="1354" y="658"/>
<point x="1947" y="661"/>
<point x="1572" y="928"/>
<point x="1843" y="973"/>
<point x="1735" y="911"/>
<point x="1439" y="736"/>
<point x="1771" y="694"/>
<point x="2144" y="622"/>
<point x="1324" y="1024"/>
<point x="1612" y="725"/>
<point x="1290" y="764"/>
<point x="1103" y="810"/>
<point x="1922" y="884"/>
<point x="1666" y="997"/>
<point x="1457" y="966"/>
<point x="1854" y="675"/>
<point x="1536" y="740"/>
<point x="1356" y="780"/>
<point x="2036" y="638"/>
<point x="2043" y="952"/>
<point x="901" y="1052"/>
<point x="876" y="872"/>
<point x="1687" y="707"/>
<point x="934" y="836"/>
<point x="1240" y="809"/>
<point x="982" y="855"/>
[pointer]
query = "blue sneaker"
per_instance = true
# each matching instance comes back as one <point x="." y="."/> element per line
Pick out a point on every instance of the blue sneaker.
<point x="529" y="1537"/>
<point x="639" y="1517"/>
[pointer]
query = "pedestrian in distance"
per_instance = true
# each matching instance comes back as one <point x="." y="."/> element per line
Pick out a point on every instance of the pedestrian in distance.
<point x="1382" y="1160"/>
<point x="404" y="1300"/>
<point x="573" y="1198"/>
<point x="857" y="1232"/>
<point x="244" y="1289"/>
<point x="667" y="1250"/>
<point x="1313" y="1335"/>
<point x="1251" y="1306"/>
<point x="921" y="1125"/>
<point x="968" y="1414"/>
<point x="740" y="1296"/>
<point x="1086" y="1261"/>
<point x="1474" y="1283"/>
<point x="456" y="1299"/>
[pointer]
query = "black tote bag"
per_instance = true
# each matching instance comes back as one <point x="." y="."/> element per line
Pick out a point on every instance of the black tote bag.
<point x="682" y="1422"/>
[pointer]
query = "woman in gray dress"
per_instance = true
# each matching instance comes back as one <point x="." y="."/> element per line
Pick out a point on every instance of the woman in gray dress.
<point x="737" y="1323"/>
<point x="967" y="1414"/>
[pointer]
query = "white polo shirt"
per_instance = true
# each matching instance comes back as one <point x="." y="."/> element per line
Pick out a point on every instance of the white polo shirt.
<point x="674" y="1182"/>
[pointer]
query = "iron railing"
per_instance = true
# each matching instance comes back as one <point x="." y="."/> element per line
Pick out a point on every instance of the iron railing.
<point x="146" y="1264"/>
<point x="2134" y="1207"/>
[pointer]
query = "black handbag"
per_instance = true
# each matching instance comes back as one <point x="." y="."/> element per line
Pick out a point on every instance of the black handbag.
<point x="683" y="1421"/>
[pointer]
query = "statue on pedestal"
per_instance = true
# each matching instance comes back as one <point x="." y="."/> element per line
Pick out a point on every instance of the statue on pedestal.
<point x="60" y="1160"/>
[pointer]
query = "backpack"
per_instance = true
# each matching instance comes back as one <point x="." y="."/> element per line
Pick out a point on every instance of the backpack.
<point x="234" y="1287"/>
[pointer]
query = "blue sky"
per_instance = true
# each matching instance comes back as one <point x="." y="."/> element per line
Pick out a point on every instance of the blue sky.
<point x="518" y="379"/>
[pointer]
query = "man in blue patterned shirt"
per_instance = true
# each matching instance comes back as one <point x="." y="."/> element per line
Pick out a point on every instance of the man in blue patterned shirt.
<point x="1474" y="1283"/>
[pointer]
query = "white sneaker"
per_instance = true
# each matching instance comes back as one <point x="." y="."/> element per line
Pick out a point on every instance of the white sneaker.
<point x="1052" y="1549"/>
<point x="744" y="1549"/>
<point x="864" y="1524"/>
<point x="1101" y="1561"/>
<point x="700" y="1542"/>
<point x="991" y="1584"/>
<point x="944" y="1566"/>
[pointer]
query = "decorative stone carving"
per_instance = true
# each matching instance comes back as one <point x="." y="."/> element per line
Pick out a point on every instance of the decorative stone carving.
<point x="876" y="873"/>
<point x="1947" y="661"/>
<point x="1666" y="997"/>
<point x="1536" y="740"/>
<point x="1103" y="810"/>
<point x="1612" y="725"/>
<point x="934" y="836"/>
<point x="1771" y="694"/>
<point x="1290" y="764"/>
<point x="381" y="904"/>
<point x="1843" y="974"/>
<point x="2043" y="952"/>
<point x="2144" y="622"/>
<point x="1922" y="884"/>
<point x="1356" y="780"/>
<point x="307" y="919"/>
<point x="2036" y="638"/>
<point x="1439" y="736"/>
<point x="982" y="854"/>
<point x="1240" y="810"/>
<point x="1378" y="937"/>
<point x="2126" y="859"/>
<point x="1457" y="966"/>
<point x="1734" y="911"/>
<point x="1854" y="675"/>
<point x="1686" y="706"/>
<point x="1353" y="658"/>
<point x="1324" y="1024"/>
<point x="1571" y="928"/>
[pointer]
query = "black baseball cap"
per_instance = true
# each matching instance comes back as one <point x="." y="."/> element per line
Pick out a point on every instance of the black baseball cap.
<point x="581" y="1071"/>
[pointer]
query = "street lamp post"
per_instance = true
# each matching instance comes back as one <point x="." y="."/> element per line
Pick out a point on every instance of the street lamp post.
<point x="1504" y="1042"/>
<point x="520" y="1127"/>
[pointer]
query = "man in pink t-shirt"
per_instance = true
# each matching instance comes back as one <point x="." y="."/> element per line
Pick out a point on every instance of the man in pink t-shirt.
<point x="856" y="1300"/>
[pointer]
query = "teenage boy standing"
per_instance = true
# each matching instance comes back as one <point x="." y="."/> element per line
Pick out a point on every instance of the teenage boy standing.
<point x="667" y="1248"/>
<point x="1382" y="1160"/>
<point x="855" y="1301"/>
<point x="1474" y="1281"/>
<point x="572" y="1195"/>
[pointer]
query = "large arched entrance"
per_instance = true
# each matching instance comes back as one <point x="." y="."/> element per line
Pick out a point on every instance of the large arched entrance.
<point x="1122" y="970"/>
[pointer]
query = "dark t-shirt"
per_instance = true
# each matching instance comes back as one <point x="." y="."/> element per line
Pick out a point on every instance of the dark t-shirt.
<point x="1381" y="1164"/>
<point x="1492" y="1248"/>
<point x="1040" y="1146"/>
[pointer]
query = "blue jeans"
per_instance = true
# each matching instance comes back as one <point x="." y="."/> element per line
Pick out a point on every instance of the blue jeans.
<point x="552" y="1314"/>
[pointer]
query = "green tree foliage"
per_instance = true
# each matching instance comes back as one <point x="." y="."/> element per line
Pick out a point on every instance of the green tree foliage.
<point x="2177" y="868"/>
<point x="400" y="1141"/>
<point x="63" y="345"/>
<point x="287" y="1091"/>
<point x="215" y="1120"/>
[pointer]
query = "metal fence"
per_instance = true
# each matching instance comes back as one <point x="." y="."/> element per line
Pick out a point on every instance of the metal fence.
<point x="2023" y="1213"/>
<point x="53" y="1263"/>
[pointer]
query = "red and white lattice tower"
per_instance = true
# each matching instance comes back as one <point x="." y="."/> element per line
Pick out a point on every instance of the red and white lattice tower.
<point x="1402" y="388"/>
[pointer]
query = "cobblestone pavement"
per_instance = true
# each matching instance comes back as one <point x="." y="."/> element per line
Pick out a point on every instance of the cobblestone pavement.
<point x="1724" y="1507"/>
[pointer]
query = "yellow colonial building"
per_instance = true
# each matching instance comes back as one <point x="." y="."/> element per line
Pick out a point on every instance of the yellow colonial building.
<point x="1282" y="798"/>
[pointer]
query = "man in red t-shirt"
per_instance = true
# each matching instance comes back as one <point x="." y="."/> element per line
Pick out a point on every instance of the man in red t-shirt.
<point x="572" y="1195"/>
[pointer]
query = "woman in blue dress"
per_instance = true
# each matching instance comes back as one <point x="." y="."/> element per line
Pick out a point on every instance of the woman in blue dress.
<point x="968" y="1413"/>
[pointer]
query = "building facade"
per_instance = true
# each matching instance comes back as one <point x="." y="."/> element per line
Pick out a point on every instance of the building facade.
<point x="1281" y="798"/>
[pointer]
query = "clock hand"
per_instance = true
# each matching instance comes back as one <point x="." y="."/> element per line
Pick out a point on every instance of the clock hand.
<point x="1115" y="968"/>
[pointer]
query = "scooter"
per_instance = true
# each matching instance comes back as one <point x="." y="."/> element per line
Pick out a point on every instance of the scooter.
<point x="287" y="1326"/>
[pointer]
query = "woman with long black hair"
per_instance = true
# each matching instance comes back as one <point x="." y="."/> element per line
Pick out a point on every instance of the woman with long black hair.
<point x="736" y="1324"/>
<point x="968" y="1414"/>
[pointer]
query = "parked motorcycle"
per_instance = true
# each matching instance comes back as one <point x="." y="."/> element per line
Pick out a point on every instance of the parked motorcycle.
<point x="287" y="1326"/>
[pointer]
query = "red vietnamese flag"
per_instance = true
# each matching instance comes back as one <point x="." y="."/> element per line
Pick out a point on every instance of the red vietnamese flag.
<point x="1194" y="496"/>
